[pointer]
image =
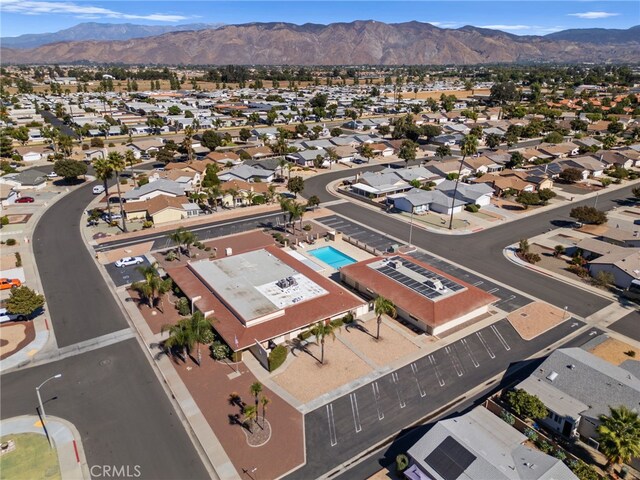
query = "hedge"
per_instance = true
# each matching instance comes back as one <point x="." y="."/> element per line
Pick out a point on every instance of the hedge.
<point x="277" y="357"/>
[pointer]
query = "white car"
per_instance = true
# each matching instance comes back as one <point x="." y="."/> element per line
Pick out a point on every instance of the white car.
<point x="5" y="316"/>
<point x="52" y="175"/>
<point x="128" y="261"/>
<point x="98" y="189"/>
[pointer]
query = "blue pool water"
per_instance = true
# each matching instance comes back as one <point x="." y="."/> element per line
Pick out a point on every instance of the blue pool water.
<point x="331" y="256"/>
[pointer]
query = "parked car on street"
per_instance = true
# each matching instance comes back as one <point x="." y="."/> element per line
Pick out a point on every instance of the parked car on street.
<point x="128" y="261"/>
<point x="25" y="200"/>
<point x="5" y="316"/>
<point x="110" y="218"/>
<point x="7" y="283"/>
<point x="98" y="189"/>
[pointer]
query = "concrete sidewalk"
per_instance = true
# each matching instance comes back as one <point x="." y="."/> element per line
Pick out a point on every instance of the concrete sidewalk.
<point x="64" y="438"/>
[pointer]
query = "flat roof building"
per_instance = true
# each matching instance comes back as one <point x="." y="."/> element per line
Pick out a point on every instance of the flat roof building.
<point x="426" y="297"/>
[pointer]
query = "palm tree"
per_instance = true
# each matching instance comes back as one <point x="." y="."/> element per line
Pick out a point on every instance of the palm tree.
<point x="116" y="160"/>
<point x="234" y="194"/>
<point x="177" y="237"/>
<point x="213" y="193"/>
<point x="619" y="436"/>
<point x="201" y="330"/>
<point x="179" y="338"/>
<point x="321" y="330"/>
<point x="153" y="287"/>
<point x="256" y="389"/>
<point x="443" y="151"/>
<point x="130" y="159"/>
<point x="264" y="401"/>
<point x="468" y="146"/>
<point x="366" y="151"/>
<point x="383" y="306"/>
<point x="284" y="164"/>
<point x="296" y="211"/>
<point x="250" y="413"/>
<point x="104" y="172"/>
<point x="188" y="239"/>
<point x="187" y="143"/>
<point x="332" y="155"/>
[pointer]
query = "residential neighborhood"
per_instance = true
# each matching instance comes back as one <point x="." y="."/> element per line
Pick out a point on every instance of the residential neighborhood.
<point x="248" y="271"/>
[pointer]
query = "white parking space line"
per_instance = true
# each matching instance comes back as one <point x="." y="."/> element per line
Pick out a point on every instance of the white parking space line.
<point x="376" y="397"/>
<point x="333" y="437"/>
<point x="485" y="344"/>
<point x="356" y="413"/>
<point x="414" y="369"/>
<point x="396" y="381"/>
<point x="501" y="338"/>
<point x="454" y="361"/>
<point x="437" y="370"/>
<point x="478" y="283"/>
<point x="493" y="290"/>
<point x="465" y="344"/>
<point x="504" y="300"/>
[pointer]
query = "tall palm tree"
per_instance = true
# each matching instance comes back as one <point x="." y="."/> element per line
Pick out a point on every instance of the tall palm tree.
<point x="256" y="389"/>
<point x="619" y="436"/>
<point x="188" y="239"/>
<point x="383" y="306"/>
<point x="250" y="413"/>
<point x="296" y="211"/>
<point x="179" y="338"/>
<point x="201" y="330"/>
<point x="116" y="160"/>
<point x="187" y="143"/>
<point x="332" y="155"/>
<point x="233" y="192"/>
<point x="284" y="165"/>
<point x="264" y="401"/>
<point x="213" y="193"/>
<point x="104" y="172"/>
<point x="177" y="237"/>
<point x="321" y="330"/>
<point x="130" y="159"/>
<point x="153" y="287"/>
<point x="468" y="146"/>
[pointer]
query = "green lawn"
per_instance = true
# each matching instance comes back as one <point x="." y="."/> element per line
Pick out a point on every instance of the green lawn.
<point x="30" y="460"/>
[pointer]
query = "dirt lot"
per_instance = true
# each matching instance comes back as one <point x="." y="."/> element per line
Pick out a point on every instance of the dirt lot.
<point x="535" y="319"/>
<point x="613" y="351"/>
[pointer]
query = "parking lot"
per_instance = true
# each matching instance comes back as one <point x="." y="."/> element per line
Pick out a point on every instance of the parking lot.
<point x="341" y="428"/>
<point x="356" y="231"/>
<point x="126" y="275"/>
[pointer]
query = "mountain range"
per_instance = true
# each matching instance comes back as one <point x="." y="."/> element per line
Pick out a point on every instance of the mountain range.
<point x="98" y="31"/>
<point x="355" y="43"/>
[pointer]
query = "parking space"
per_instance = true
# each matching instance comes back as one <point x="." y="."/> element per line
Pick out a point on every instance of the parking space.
<point x="126" y="275"/>
<point x="345" y="426"/>
<point x="356" y="231"/>
<point x="629" y="325"/>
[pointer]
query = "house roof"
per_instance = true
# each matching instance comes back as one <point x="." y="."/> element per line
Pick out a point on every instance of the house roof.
<point x="168" y="186"/>
<point x="156" y="204"/>
<point x="627" y="260"/>
<point x="599" y="247"/>
<point x="482" y="447"/>
<point x="245" y="172"/>
<point x="29" y="178"/>
<point x="586" y="378"/>
<point x="243" y="186"/>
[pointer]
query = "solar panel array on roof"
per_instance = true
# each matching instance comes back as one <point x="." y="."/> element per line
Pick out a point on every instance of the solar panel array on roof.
<point x="433" y="285"/>
<point x="450" y="459"/>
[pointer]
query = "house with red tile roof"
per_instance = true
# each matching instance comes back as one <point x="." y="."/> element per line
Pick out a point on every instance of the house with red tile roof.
<point x="426" y="297"/>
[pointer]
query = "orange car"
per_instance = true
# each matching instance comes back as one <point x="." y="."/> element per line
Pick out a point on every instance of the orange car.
<point x="7" y="283"/>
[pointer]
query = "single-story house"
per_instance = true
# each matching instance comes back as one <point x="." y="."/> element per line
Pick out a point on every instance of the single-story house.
<point x="624" y="265"/>
<point x="25" y="180"/>
<point x="247" y="174"/>
<point x="157" y="188"/>
<point x="161" y="209"/>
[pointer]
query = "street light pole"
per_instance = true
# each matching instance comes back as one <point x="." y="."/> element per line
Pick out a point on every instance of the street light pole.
<point x="44" y="416"/>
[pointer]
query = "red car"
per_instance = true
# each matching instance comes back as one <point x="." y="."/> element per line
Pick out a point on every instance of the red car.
<point x="25" y="200"/>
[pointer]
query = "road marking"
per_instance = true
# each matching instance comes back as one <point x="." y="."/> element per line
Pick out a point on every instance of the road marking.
<point x="501" y="338"/>
<point x="466" y="346"/>
<point x="333" y="437"/>
<point x="414" y="369"/>
<point x="493" y="290"/>
<point x="478" y="283"/>
<point x="504" y="300"/>
<point x="396" y="381"/>
<point x="454" y="361"/>
<point x="376" y="397"/>
<point x="486" y="345"/>
<point x="437" y="370"/>
<point x="355" y="412"/>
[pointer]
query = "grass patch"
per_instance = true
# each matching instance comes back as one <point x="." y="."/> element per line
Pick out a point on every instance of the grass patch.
<point x="32" y="458"/>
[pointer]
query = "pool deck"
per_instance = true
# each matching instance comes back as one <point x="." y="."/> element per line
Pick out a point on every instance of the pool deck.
<point x="341" y="246"/>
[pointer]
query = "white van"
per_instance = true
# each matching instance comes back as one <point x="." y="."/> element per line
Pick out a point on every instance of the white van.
<point x="98" y="189"/>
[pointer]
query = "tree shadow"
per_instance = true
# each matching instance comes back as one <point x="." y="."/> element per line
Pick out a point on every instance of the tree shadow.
<point x="301" y="345"/>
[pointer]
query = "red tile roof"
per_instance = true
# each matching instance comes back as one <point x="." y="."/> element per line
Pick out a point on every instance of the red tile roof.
<point x="434" y="314"/>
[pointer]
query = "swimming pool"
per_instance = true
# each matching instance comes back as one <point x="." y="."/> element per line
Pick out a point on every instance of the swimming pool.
<point x="331" y="256"/>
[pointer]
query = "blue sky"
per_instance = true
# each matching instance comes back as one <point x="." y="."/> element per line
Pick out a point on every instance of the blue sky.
<point x="518" y="17"/>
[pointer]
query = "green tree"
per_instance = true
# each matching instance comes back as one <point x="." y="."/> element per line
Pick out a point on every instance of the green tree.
<point x="200" y="329"/>
<point x="554" y="137"/>
<point x="244" y="134"/>
<point x="366" y="151"/>
<point x="264" y="401"/>
<point x="558" y="250"/>
<point x="468" y="146"/>
<point x="153" y="288"/>
<point x="21" y="134"/>
<point x="256" y="389"/>
<point x="383" y="306"/>
<point x="407" y="151"/>
<point x="250" y="413"/>
<point x="523" y="246"/>
<point x="526" y="405"/>
<point x="492" y="140"/>
<point x="6" y="146"/>
<point x="619" y="436"/>
<point x="609" y="141"/>
<point x="587" y="214"/>
<point x="322" y="330"/>
<point x="69" y="169"/>
<point x="174" y="110"/>
<point x="295" y="185"/>
<point x="211" y="139"/>
<point x="604" y="279"/>
<point x="313" y="201"/>
<point x="104" y="172"/>
<point x="516" y="160"/>
<point x="24" y="301"/>
<point x="443" y="151"/>
<point x="116" y="160"/>
<point x="528" y="198"/>
<point x="571" y="175"/>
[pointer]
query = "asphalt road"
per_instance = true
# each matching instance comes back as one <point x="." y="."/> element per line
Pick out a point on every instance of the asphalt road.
<point x="115" y="401"/>
<point x="56" y="122"/>
<point x="80" y="304"/>
<point x="628" y="325"/>
<point x="340" y="430"/>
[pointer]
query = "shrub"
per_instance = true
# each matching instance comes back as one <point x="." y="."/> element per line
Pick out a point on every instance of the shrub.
<point x="579" y="271"/>
<point x="583" y="471"/>
<point x="4" y="221"/>
<point x="337" y="323"/>
<point x="307" y="227"/>
<point x="304" y="335"/>
<point x="630" y="353"/>
<point x="208" y="337"/>
<point x="507" y="417"/>
<point x="471" y="208"/>
<point x="532" y="258"/>
<point x="258" y="200"/>
<point x="219" y="350"/>
<point x="183" y="307"/>
<point x="526" y="405"/>
<point x="559" y="454"/>
<point x="19" y="262"/>
<point x="147" y="224"/>
<point x="11" y="242"/>
<point x="531" y="434"/>
<point x="111" y="145"/>
<point x="85" y="146"/>
<point x="402" y="462"/>
<point x="207" y="249"/>
<point x="544" y="446"/>
<point x="123" y="181"/>
<point x="277" y="357"/>
<point x="171" y="256"/>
